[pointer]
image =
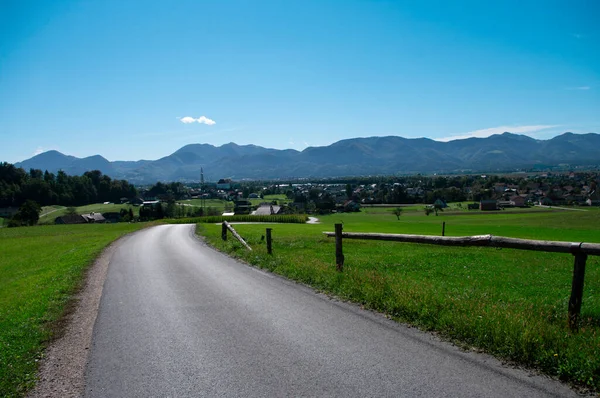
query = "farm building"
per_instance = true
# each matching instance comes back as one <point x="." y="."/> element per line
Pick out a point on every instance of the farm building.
<point x="242" y="207"/>
<point x="488" y="204"/>
<point x="94" y="218"/>
<point x="267" y="210"/>
<point x="518" y="201"/>
<point x="91" y="218"/>
<point x="70" y="219"/>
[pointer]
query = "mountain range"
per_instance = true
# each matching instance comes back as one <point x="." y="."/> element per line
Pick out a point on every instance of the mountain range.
<point x="351" y="157"/>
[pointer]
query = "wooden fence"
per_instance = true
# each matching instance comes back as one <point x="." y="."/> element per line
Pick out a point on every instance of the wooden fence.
<point x="579" y="250"/>
<point x="226" y="226"/>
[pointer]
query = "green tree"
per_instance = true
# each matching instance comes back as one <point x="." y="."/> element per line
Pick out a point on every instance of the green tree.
<point x="397" y="212"/>
<point x="349" y="191"/>
<point x="28" y="214"/>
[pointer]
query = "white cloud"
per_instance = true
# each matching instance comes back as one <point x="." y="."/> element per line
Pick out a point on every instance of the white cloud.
<point x="582" y="88"/>
<point x="201" y="119"/>
<point x="187" y="120"/>
<point x="205" y="120"/>
<point x="497" y="130"/>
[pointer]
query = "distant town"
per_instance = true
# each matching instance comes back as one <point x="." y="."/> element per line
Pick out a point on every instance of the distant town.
<point x="36" y="189"/>
<point x="486" y="192"/>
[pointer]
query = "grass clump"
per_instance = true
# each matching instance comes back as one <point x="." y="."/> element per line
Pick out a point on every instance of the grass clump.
<point x="509" y="303"/>
<point x="40" y="269"/>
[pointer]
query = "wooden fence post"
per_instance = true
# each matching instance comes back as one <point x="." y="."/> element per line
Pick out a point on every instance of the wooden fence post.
<point x="224" y="231"/>
<point x="577" y="290"/>
<point x="444" y="228"/>
<point x="269" y="247"/>
<point x="339" y="254"/>
<point x="235" y="235"/>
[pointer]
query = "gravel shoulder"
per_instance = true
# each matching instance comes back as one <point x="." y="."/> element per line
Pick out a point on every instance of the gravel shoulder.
<point x="61" y="370"/>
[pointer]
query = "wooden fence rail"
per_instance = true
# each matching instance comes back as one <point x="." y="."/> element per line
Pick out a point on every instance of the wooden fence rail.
<point x="580" y="250"/>
<point x="226" y="226"/>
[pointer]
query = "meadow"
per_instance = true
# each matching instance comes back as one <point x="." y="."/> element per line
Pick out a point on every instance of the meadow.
<point x="222" y="204"/>
<point x="49" y="213"/>
<point x="510" y="303"/>
<point x="40" y="269"/>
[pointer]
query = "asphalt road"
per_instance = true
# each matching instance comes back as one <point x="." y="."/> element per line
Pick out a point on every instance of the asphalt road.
<point x="179" y="319"/>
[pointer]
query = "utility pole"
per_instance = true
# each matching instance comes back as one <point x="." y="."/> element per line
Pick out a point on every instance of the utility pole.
<point x="202" y="200"/>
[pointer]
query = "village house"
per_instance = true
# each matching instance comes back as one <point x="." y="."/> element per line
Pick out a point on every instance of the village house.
<point x="70" y="219"/>
<point x="267" y="210"/>
<point x="488" y="204"/>
<point x="94" y="218"/>
<point x="91" y="218"/>
<point x="518" y="201"/>
<point x="594" y="198"/>
<point x="242" y="207"/>
<point x="224" y="183"/>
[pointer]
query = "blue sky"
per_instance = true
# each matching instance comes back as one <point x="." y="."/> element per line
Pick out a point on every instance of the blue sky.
<point x="122" y="78"/>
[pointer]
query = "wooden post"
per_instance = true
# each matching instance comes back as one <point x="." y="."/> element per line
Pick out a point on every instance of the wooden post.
<point x="269" y="247"/>
<point x="339" y="254"/>
<point x="236" y="235"/>
<point x="577" y="290"/>
<point x="224" y="231"/>
<point x="444" y="228"/>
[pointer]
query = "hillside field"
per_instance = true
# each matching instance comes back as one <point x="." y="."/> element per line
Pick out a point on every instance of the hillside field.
<point x="510" y="303"/>
<point x="50" y="213"/>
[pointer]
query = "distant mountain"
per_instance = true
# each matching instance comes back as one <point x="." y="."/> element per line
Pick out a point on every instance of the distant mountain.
<point x="54" y="161"/>
<point x="356" y="156"/>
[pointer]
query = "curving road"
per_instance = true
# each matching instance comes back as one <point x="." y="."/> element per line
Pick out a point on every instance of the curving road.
<point x="179" y="319"/>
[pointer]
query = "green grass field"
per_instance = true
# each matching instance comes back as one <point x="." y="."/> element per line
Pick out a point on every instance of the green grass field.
<point x="220" y="204"/>
<point x="40" y="268"/>
<point x="216" y="203"/>
<point x="49" y="213"/>
<point x="510" y="303"/>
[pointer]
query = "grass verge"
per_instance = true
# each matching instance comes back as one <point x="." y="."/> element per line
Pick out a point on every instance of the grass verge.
<point x="40" y="269"/>
<point x="510" y="303"/>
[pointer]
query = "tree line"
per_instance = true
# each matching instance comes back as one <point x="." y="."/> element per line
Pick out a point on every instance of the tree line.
<point x="45" y="188"/>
